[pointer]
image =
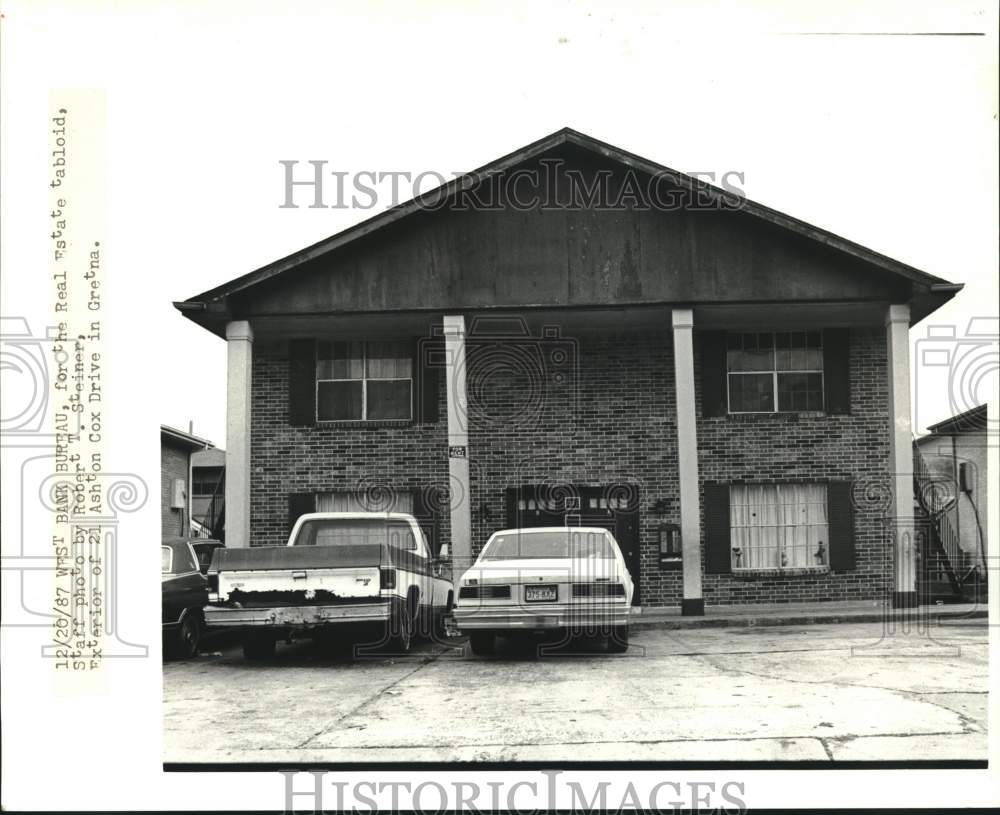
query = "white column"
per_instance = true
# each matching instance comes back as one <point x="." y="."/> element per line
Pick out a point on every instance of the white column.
<point x="687" y="460"/>
<point x="458" y="444"/>
<point x="239" y="337"/>
<point x="897" y="337"/>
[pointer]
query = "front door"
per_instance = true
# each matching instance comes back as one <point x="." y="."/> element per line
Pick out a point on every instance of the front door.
<point x="615" y="508"/>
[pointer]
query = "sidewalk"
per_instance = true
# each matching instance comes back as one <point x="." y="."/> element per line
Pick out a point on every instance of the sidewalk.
<point x="858" y="611"/>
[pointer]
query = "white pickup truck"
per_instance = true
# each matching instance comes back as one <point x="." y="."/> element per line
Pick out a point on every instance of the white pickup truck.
<point x="358" y="577"/>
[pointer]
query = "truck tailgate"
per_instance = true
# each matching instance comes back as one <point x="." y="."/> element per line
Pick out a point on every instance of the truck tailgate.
<point x="289" y="575"/>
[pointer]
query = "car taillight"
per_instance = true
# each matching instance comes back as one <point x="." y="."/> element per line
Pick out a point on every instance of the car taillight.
<point x="387" y="578"/>
<point x="213" y="582"/>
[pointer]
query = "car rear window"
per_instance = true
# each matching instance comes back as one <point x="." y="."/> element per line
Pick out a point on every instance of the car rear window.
<point x="550" y="544"/>
<point x="352" y="532"/>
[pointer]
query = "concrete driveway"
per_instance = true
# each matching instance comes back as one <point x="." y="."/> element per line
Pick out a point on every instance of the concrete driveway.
<point x="821" y="692"/>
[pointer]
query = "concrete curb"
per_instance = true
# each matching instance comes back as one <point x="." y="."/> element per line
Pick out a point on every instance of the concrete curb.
<point x="644" y="622"/>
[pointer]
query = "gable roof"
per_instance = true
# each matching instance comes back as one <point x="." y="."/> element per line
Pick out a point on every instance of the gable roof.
<point x="565" y="136"/>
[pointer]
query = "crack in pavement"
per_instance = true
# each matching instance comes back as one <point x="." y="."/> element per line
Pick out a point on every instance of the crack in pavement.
<point x="968" y="724"/>
<point x="432" y="658"/>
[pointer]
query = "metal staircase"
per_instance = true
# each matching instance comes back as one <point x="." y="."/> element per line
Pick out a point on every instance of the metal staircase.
<point x="214" y="519"/>
<point x="944" y="567"/>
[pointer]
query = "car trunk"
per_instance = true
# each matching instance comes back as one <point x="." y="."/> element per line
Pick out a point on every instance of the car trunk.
<point x="524" y="581"/>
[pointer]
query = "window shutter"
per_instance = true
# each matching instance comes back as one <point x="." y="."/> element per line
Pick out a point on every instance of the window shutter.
<point x="513" y="516"/>
<point x="713" y="373"/>
<point x="299" y="503"/>
<point x="428" y="359"/>
<point x="840" y="522"/>
<point x="837" y="370"/>
<point x="718" y="546"/>
<point x="302" y="383"/>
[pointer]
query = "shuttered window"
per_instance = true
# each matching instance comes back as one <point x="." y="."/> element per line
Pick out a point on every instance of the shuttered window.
<point x="776" y="527"/>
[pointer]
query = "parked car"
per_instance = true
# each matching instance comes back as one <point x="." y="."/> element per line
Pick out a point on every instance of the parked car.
<point x="184" y="593"/>
<point x="204" y="548"/>
<point x="353" y="577"/>
<point x="543" y="580"/>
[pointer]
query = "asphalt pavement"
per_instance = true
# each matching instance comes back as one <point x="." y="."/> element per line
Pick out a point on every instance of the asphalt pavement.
<point x="846" y="692"/>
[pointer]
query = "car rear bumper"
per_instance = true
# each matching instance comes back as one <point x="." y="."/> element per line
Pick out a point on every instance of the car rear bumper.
<point x="547" y="616"/>
<point x="298" y="616"/>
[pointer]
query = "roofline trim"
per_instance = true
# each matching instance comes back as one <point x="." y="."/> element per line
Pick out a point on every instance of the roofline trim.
<point x="195" y="442"/>
<point x="957" y="420"/>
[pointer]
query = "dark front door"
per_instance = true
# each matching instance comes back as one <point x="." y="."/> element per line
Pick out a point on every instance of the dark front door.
<point x="615" y="508"/>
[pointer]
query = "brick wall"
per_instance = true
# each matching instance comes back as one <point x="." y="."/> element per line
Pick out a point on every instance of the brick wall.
<point x="814" y="447"/>
<point x="370" y="461"/>
<point x="605" y="417"/>
<point x="173" y="465"/>
<point x="609" y="421"/>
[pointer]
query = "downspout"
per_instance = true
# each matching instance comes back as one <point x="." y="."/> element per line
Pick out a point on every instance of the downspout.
<point x="958" y="489"/>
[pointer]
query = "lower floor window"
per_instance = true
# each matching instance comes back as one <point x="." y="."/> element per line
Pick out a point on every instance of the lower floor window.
<point x="380" y="500"/>
<point x="778" y="526"/>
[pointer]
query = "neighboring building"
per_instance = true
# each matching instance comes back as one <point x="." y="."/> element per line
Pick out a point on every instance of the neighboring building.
<point x="208" y="484"/>
<point x="954" y="455"/>
<point x="723" y="386"/>
<point x="176" y="448"/>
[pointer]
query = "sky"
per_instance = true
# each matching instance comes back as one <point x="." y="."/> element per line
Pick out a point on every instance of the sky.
<point x="890" y="141"/>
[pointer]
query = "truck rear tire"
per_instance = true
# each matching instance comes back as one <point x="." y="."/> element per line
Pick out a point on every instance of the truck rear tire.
<point x="482" y="642"/>
<point x="258" y="647"/>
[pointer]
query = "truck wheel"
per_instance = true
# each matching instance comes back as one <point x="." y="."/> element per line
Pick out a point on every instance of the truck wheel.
<point x="401" y="632"/>
<point x="482" y="642"/>
<point x="258" y="647"/>
<point x="618" y="639"/>
<point x="188" y="637"/>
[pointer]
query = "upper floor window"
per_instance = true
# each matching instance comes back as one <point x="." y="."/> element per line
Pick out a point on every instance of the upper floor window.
<point x="778" y="371"/>
<point x="364" y="381"/>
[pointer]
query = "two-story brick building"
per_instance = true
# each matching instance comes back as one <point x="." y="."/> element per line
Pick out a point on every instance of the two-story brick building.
<point x="574" y="334"/>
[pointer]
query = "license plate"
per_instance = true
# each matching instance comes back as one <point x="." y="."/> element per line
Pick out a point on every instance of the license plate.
<point x="540" y="594"/>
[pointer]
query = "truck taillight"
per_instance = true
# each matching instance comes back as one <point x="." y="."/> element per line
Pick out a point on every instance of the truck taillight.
<point x="387" y="578"/>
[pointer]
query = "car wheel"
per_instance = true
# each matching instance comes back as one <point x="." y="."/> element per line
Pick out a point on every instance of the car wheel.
<point x="258" y="647"/>
<point x="482" y="642"/>
<point x="401" y="632"/>
<point x="618" y="639"/>
<point x="189" y="636"/>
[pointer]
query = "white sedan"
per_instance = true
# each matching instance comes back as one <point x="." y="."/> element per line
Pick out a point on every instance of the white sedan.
<point x="569" y="579"/>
